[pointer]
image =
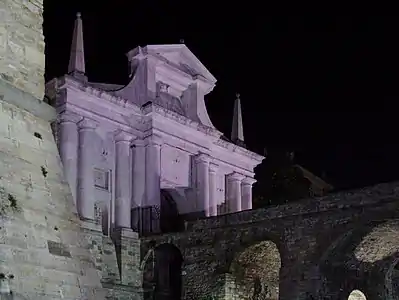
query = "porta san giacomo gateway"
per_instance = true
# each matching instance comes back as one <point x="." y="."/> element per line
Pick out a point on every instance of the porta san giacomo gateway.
<point x="130" y="192"/>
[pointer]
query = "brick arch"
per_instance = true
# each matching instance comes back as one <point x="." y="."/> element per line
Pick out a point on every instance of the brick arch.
<point x="256" y="270"/>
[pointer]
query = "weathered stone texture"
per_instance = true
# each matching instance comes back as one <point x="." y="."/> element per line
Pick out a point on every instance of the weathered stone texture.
<point x="22" y="45"/>
<point x="41" y="244"/>
<point x="327" y="246"/>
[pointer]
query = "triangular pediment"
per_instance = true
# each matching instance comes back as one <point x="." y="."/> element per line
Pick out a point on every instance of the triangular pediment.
<point x="183" y="58"/>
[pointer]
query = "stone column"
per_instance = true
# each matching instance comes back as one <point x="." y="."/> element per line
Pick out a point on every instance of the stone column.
<point x="122" y="180"/>
<point x="86" y="198"/>
<point x="234" y="192"/>
<point x="138" y="182"/>
<point x="153" y="180"/>
<point x="68" y="147"/>
<point x="246" y="191"/>
<point x="202" y="167"/>
<point x="213" y="202"/>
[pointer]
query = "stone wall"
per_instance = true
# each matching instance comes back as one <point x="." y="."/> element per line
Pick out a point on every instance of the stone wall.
<point x="49" y="252"/>
<point x="22" y="45"/>
<point x="307" y="234"/>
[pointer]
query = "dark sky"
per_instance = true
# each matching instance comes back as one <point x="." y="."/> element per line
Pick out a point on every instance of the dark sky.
<point x="325" y="87"/>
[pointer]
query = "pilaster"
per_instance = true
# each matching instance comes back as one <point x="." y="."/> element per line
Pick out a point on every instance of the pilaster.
<point x="85" y="193"/>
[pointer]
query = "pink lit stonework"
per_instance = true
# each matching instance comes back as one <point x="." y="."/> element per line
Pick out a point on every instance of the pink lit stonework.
<point x="121" y="145"/>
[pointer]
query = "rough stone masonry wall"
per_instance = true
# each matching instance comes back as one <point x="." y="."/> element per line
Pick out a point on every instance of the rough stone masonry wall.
<point x="22" y="45"/>
<point x="40" y="240"/>
<point x="303" y="233"/>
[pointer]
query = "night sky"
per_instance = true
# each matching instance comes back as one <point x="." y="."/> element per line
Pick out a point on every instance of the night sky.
<point x="324" y="87"/>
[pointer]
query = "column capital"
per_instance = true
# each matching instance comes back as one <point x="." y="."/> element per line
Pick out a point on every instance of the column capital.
<point x="154" y="141"/>
<point x="235" y="176"/>
<point x="138" y="143"/>
<point x="213" y="167"/>
<point x="249" y="181"/>
<point x="123" y="136"/>
<point x="202" y="158"/>
<point x="69" y="117"/>
<point x="87" y="124"/>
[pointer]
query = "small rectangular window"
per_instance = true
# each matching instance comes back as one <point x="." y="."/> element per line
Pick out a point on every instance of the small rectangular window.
<point x="101" y="179"/>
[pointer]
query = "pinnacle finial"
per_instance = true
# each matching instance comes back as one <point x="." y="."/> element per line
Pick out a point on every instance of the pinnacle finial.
<point x="237" y="132"/>
<point x="76" y="66"/>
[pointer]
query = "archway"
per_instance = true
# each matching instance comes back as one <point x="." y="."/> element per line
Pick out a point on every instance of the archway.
<point x="167" y="275"/>
<point x="357" y="295"/>
<point x="367" y="255"/>
<point x="256" y="271"/>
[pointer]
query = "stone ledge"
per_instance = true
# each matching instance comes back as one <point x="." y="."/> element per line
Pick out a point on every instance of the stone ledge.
<point x="27" y="102"/>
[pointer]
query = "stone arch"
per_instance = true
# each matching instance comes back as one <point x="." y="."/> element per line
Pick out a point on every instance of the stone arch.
<point x="161" y="268"/>
<point x="167" y="272"/>
<point x="256" y="271"/>
<point x="366" y="255"/>
<point x="357" y="295"/>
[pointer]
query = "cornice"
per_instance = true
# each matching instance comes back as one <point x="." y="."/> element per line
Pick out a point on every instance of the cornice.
<point x="88" y="124"/>
<point x="68" y="117"/>
<point x="239" y="150"/>
<point x="67" y="81"/>
<point x="154" y="108"/>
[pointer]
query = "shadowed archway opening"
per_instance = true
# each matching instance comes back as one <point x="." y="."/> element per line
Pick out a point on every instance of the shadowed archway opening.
<point x="256" y="271"/>
<point x="167" y="275"/>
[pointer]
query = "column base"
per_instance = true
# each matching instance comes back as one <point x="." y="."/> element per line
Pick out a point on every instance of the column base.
<point x="125" y="232"/>
<point x="91" y="225"/>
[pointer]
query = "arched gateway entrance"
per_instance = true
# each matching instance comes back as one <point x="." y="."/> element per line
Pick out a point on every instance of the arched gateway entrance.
<point x="162" y="268"/>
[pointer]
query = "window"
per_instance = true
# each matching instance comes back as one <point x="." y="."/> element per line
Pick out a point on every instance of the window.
<point x="101" y="179"/>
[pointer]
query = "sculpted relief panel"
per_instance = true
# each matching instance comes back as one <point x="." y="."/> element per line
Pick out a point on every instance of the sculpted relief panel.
<point x="175" y="166"/>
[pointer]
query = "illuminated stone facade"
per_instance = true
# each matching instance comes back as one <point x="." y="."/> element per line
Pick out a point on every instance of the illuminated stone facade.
<point x="58" y="239"/>
<point x="147" y="152"/>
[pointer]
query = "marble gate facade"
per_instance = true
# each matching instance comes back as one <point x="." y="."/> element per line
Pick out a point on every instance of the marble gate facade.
<point x="123" y="147"/>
